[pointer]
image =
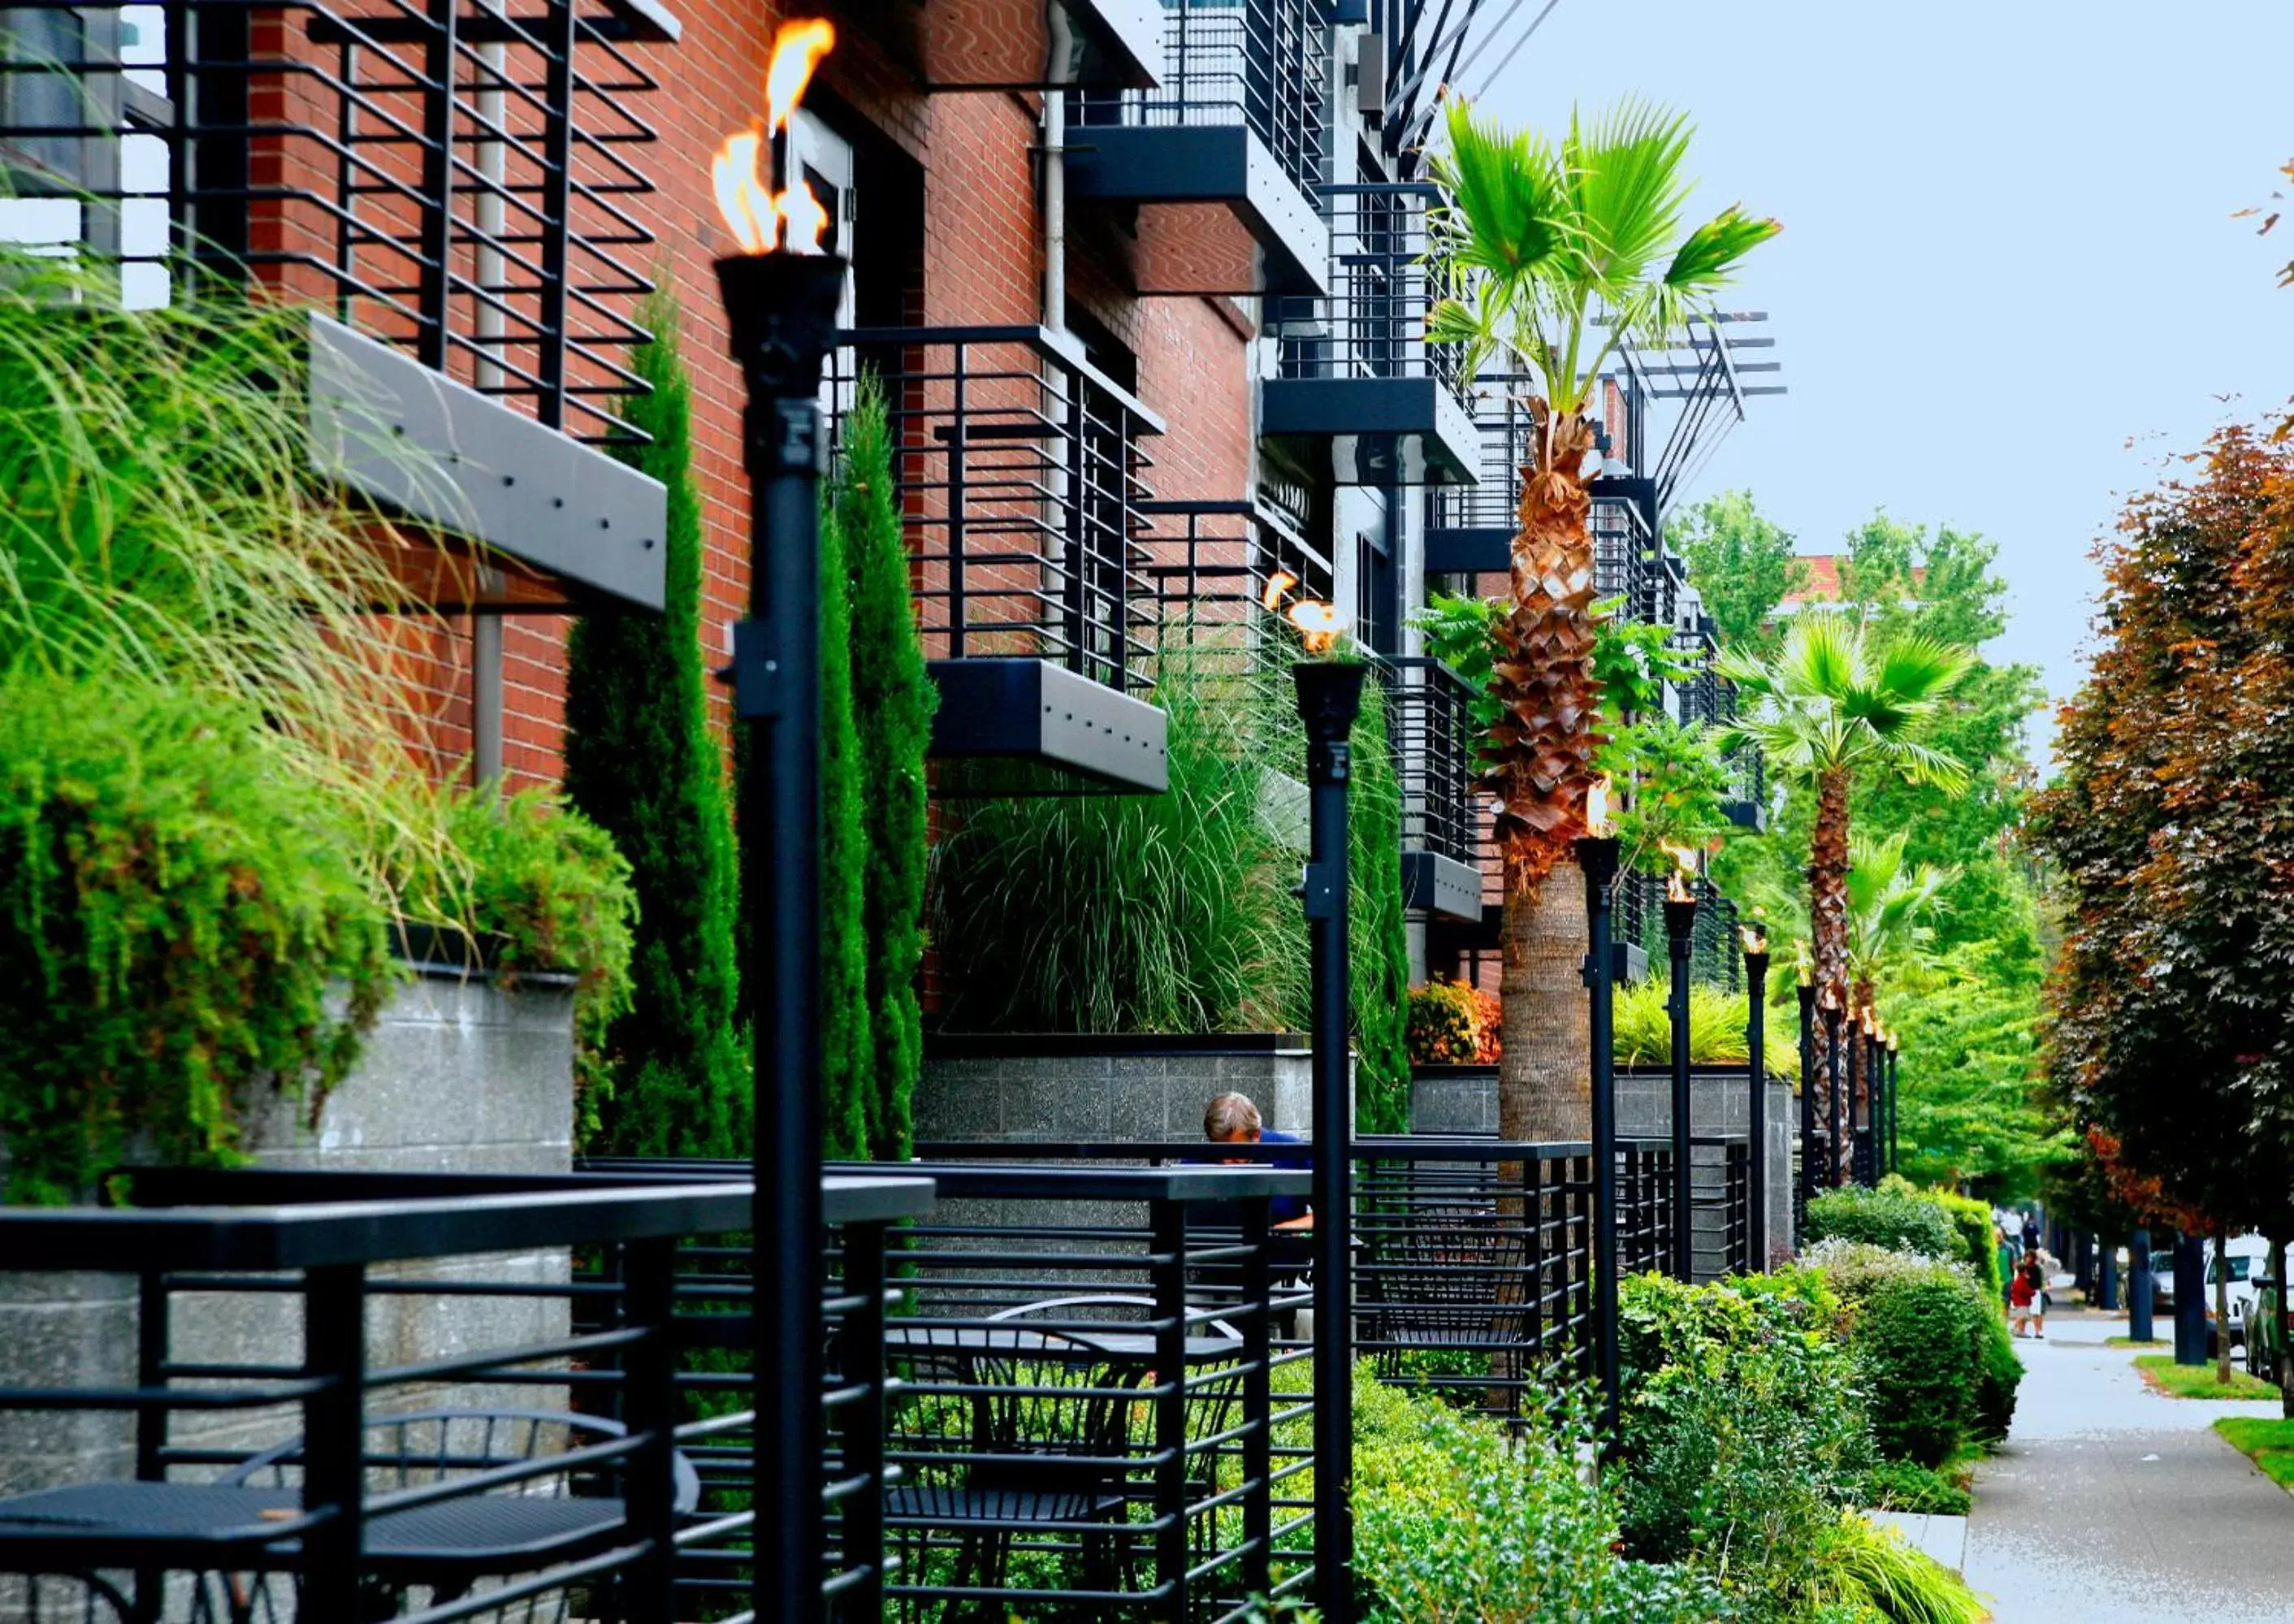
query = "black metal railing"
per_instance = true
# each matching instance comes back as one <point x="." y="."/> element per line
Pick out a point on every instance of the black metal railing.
<point x="1372" y="322"/>
<point x="309" y="1442"/>
<point x="1431" y="732"/>
<point x="1215" y="566"/>
<point x="1261" y="64"/>
<point x="454" y="177"/>
<point x="1716" y="951"/>
<point x="1625" y="562"/>
<point x="1019" y="471"/>
<point x="1098" y="1403"/>
<point x="1644" y="1206"/>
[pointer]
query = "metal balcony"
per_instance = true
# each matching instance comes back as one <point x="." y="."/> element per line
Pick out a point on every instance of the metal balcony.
<point x="1469" y="529"/>
<point x="1213" y="564"/>
<point x="1208" y="179"/>
<point x="1357" y="390"/>
<point x="447" y="187"/>
<point x="1019" y="472"/>
<point x="1432" y="733"/>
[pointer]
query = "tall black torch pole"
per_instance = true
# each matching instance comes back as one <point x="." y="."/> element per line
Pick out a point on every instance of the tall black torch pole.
<point x="1756" y="1104"/>
<point x="1680" y="929"/>
<point x="1597" y="857"/>
<point x="1895" y="1149"/>
<point x="782" y="311"/>
<point x="1875" y="1089"/>
<point x="1330" y="696"/>
<point x="1808" y="1147"/>
<point x="1831" y="1013"/>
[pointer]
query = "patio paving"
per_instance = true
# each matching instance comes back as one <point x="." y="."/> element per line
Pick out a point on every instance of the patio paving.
<point x="2111" y="1502"/>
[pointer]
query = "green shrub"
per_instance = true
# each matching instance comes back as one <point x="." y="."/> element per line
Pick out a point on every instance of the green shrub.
<point x="641" y="760"/>
<point x="1452" y="1024"/>
<point x="1972" y="1221"/>
<point x="1742" y="1430"/>
<point x="1895" y="1219"/>
<point x="1998" y="1371"/>
<point x="175" y="910"/>
<point x="1905" y="1486"/>
<point x="1917" y="1338"/>
<point x="892" y="703"/>
<point x="1379" y="930"/>
<point x="544" y="890"/>
<point x="1455" y="1522"/>
<point x="847" y="1051"/>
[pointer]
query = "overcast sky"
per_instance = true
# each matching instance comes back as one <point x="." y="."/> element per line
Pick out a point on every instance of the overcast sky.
<point x="2008" y="285"/>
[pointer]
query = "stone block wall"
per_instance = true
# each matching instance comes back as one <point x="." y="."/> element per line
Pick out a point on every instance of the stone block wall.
<point x="1075" y="1088"/>
<point x="458" y="1076"/>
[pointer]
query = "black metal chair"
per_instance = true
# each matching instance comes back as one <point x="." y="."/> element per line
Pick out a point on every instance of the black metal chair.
<point x="443" y="1546"/>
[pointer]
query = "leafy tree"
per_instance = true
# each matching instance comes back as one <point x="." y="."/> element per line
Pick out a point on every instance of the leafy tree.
<point x="2172" y="1025"/>
<point x="641" y="762"/>
<point x="892" y="704"/>
<point x="1742" y="564"/>
<point x="1829" y="703"/>
<point x="1558" y="252"/>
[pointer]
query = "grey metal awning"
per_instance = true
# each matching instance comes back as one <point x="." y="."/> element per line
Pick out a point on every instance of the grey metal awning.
<point x="1377" y="431"/>
<point x="424" y="444"/>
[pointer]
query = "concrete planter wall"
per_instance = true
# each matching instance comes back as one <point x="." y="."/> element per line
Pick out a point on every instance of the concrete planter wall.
<point x="1078" y="1087"/>
<point x="1464" y="1099"/>
<point x="458" y="1076"/>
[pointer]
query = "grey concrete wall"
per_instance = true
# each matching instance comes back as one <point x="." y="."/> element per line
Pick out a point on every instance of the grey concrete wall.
<point x="458" y="1076"/>
<point x="1464" y="1099"/>
<point x="968" y="1093"/>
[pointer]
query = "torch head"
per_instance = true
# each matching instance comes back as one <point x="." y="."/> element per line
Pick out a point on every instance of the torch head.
<point x="782" y="312"/>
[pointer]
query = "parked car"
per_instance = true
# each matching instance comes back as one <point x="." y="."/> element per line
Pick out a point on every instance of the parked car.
<point x="2247" y="1258"/>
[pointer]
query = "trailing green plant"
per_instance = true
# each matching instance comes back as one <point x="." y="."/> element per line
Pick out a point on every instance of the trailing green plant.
<point x="542" y="889"/>
<point x="1894" y="1217"/>
<point x="1741" y="1429"/>
<point x="178" y="912"/>
<point x="161" y="521"/>
<point x="1717" y="1024"/>
<point x="642" y="761"/>
<point x="892" y="703"/>
<point x="1457" y="1523"/>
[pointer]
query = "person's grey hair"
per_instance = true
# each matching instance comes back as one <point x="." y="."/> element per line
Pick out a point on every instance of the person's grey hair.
<point x="1230" y="1116"/>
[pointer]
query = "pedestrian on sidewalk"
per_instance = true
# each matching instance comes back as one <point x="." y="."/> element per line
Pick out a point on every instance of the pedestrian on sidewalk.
<point x="2008" y="1257"/>
<point x="2025" y="1298"/>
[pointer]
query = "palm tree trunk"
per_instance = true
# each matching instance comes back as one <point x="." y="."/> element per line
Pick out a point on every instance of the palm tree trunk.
<point x="1828" y="914"/>
<point x="1545" y="1079"/>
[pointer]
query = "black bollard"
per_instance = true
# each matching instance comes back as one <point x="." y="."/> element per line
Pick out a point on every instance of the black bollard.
<point x="2189" y="1300"/>
<point x="2138" y="1287"/>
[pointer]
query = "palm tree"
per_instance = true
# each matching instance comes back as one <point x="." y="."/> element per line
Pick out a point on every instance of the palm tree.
<point x="1834" y="700"/>
<point x="1556" y="253"/>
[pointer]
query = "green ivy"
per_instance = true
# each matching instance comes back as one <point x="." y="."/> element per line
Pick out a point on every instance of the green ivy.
<point x="177" y="912"/>
<point x="641" y="760"/>
<point x="892" y="703"/>
<point x="546" y="890"/>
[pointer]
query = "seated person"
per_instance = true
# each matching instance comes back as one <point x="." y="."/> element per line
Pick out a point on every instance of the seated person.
<point x="1232" y="1119"/>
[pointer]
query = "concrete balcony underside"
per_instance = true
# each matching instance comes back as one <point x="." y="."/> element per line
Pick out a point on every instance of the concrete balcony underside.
<point x="1434" y="883"/>
<point x="1204" y="208"/>
<point x="1064" y="731"/>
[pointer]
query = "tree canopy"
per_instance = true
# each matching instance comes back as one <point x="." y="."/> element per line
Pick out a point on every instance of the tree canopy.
<point x="1742" y="564"/>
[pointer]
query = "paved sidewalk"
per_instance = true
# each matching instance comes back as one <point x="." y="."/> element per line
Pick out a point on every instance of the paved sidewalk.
<point x="2109" y="1502"/>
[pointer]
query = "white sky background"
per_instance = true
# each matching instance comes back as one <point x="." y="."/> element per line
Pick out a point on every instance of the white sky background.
<point x="2008" y="285"/>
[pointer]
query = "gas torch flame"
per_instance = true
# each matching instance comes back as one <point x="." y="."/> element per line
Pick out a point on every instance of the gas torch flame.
<point x="1278" y="588"/>
<point x="1755" y="937"/>
<point x="1318" y="623"/>
<point x="1596" y="808"/>
<point x="1804" y="965"/>
<point x="1676" y="885"/>
<point x="760" y="218"/>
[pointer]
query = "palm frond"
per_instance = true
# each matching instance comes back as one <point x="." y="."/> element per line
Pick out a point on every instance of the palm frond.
<point x="1509" y="195"/>
<point x="1918" y="667"/>
<point x="1627" y="183"/>
<point x="1925" y="765"/>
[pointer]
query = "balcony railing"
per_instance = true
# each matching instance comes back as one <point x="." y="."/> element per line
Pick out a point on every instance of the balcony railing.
<point x="1434" y="738"/>
<point x="1261" y="64"/>
<point x="1373" y="322"/>
<point x="455" y="178"/>
<point x="1020" y="476"/>
<point x="1212" y="564"/>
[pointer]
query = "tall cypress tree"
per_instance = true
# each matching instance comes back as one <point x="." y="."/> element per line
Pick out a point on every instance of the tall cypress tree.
<point x="641" y="762"/>
<point x="892" y="704"/>
<point x="846" y="1058"/>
